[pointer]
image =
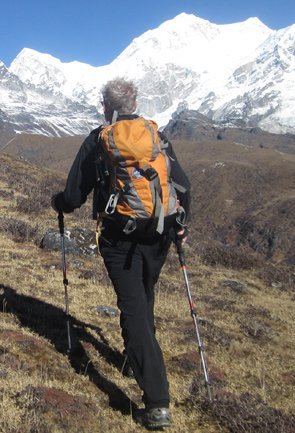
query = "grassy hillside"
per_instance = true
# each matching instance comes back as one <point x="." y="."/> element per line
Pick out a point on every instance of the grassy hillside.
<point x="243" y="198"/>
<point x="246" y="313"/>
<point x="51" y="152"/>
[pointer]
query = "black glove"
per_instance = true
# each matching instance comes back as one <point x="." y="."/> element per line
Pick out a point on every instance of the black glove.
<point x="57" y="202"/>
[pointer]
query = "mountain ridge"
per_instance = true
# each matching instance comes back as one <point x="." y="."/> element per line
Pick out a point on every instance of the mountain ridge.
<point x="239" y="73"/>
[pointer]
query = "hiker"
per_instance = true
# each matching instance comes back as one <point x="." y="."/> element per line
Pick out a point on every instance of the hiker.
<point x="134" y="248"/>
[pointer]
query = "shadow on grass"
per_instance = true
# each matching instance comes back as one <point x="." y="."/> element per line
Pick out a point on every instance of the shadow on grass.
<point x="50" y="322"/>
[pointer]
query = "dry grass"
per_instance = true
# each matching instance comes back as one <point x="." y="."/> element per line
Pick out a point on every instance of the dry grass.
<point x="247" y="327"/>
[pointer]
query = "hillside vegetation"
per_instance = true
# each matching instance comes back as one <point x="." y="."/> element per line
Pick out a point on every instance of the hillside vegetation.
<point x="240" y="261"/>
<point x="243" y="197"/>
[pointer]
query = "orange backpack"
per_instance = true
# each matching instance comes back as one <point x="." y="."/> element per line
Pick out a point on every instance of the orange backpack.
<point x="139" y="173"/>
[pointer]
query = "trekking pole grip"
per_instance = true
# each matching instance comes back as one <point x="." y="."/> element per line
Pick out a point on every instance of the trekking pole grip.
<point x="61" y="222"/>
<point x="180" y="251"/>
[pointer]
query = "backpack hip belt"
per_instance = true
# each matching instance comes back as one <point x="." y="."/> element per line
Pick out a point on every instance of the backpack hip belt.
<point x="147" y="226"/>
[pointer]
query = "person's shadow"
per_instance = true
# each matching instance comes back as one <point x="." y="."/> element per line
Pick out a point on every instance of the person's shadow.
<point x="50" y="322"/>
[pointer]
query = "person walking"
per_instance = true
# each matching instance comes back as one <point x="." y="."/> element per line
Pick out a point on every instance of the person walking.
<point x="133" y="256"/>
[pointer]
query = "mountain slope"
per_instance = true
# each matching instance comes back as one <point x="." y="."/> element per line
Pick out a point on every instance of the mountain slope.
<point x="193" y="126"/>
<point x="242" y="182"/>
<point x="246" y="320"/>
<point x="270" y="104"/>
<point x="36" y="109"/>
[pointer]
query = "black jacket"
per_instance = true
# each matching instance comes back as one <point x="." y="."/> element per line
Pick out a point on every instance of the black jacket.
<point x="82" y="178"/>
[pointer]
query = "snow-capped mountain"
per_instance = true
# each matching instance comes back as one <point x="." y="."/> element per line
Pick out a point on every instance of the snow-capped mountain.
<point x="36" y="109"/>
<point x="236" y="74"/>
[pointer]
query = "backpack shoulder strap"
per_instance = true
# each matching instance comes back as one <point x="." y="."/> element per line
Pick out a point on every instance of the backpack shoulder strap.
<point x="101" y="163"/>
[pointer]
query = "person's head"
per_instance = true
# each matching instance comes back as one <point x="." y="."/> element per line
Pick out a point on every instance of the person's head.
<point x="119" y="97"/>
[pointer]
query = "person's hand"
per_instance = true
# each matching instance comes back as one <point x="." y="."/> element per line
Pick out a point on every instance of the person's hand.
<point x="182" y="233"/>
<point x="57" y="202"/>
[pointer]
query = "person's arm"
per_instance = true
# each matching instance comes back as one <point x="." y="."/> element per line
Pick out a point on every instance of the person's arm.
<point x="81" y="178"/>
<point x="179" y="177"/>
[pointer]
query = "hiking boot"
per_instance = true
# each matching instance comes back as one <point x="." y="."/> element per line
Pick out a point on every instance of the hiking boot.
<point x="155" y="418"/>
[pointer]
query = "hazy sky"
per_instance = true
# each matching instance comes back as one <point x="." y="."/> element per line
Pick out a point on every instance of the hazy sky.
<point x="97" y="31"/>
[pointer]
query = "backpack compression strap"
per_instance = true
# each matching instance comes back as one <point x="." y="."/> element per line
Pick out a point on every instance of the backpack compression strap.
<point x="156" y="189"/>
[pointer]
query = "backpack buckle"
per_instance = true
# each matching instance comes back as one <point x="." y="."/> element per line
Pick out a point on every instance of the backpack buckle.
<point x="111" y="204"/>
<point x="150" y="173"/>
<point x="130" y="226"/>
<point x="125" y="188"/>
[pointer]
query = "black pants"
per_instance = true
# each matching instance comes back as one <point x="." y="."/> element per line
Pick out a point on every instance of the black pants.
<point x="134" y="267"/>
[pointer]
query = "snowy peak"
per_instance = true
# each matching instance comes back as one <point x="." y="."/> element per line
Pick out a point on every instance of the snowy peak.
<point x="3" y="70"/>
<point x="185" y="21"/>
<point x="37" y="68"/>
<point x="74" y="80"/>
<point x="197" y="44"/>
<point x="28" y="54"/>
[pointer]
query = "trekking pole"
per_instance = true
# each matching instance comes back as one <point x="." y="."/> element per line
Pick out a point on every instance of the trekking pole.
<point x="181" y="257"/>
<point x="65" y="280"/>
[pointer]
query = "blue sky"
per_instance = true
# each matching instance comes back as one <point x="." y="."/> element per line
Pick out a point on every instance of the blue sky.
<point x="97" y="31"/>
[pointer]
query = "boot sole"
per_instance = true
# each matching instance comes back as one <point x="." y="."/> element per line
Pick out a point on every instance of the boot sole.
<point x="157" y="425"/>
